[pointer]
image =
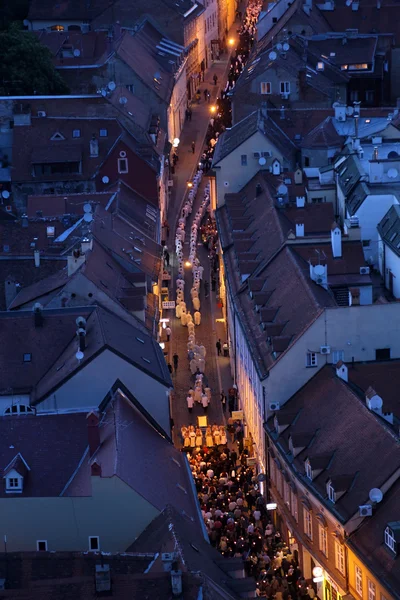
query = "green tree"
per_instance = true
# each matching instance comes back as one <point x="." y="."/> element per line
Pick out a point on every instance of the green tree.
<point x="26" y="67"/>
<point x="12" y="10"/>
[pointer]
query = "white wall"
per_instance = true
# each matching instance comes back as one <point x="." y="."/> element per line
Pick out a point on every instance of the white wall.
<point x="88" y="387"/>
<point x="265" y="22"/>
<point x="370" y="213"/>
<point x="210" y="25"/>
<point x="177" y="108"/>
<point x="357" y="330"/>
<point x="392" y="263"/>
<point x="230" y="170"/>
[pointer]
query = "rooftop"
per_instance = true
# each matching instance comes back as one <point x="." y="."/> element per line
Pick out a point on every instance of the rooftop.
<point x="360" y="458"/>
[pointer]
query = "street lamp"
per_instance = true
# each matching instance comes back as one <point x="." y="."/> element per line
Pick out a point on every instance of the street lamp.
<point x="176" y="142"/>
<point x="189" y="184"/>
<point x="213" y="109"/>
<point x="188" y="263"/>
<point x="231" y="42"/>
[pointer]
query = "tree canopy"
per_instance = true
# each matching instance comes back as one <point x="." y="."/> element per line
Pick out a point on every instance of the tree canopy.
<point x="26" y="67"/>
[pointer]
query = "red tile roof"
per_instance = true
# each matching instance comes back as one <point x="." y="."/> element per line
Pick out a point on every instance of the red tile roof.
<point x="323" y="135"/>
<point x="51" y="445"/>
<point x="363" y="450"/>
<point x="33" y="144"/>
<point x="93" y="46"/>
<point x="382" y="377"/>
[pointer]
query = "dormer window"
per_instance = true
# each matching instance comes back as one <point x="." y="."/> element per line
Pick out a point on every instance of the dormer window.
<point x="14" y="484"/>
<point x="308" y="468"/>
<point x="390" y="540"/>
<point x="331" y="491"/>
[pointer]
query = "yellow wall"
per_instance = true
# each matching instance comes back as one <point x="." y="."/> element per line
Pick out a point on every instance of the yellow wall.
<point x="352" y="562"/>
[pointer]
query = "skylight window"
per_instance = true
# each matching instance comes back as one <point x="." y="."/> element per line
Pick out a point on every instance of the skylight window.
<point x="390" y="540"/>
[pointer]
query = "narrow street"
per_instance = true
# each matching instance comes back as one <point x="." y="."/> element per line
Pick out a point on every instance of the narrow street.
<point x="217" y="368"/>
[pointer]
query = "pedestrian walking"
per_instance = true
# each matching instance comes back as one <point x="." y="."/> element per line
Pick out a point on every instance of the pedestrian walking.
<point x="168" y="332"/>
<point x="198" y="96"/>
<point x="223" y="401"/>
<point x="208" y="97"/>
<point x="190" y="114"/>
<point x="189" y="401"/>
<point x="218" y="346"/>
<point x="204" y="402"/>
<point x="170" y="368"/>
<point x="193" y="147"/>
<point x="206" y="288"/>
<point x="225" y="348"/>
<point x="166" y="258"/>
<point x="215" y="78"/>
<point x="175" y="360"/>
<point x="205" y="94"/>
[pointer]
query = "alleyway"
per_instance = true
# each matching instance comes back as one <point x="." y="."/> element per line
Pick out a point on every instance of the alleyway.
<point x="217" y="369"/>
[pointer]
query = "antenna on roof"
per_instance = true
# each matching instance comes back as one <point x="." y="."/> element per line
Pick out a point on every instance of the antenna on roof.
<point x="79" y="355"/>
<point x="123" y="100"/>
<point x="111" y="85"/>
<point x="285" y="47"/>
<point x="77" y="52"/>
<point x="105" y="179"/>
<point x="87" y="208"/>
<point x="272" y="55"/>
<point x="5" y="194"/>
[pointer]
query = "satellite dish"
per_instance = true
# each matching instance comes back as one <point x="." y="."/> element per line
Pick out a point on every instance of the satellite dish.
<point x="105" y="179"/>
<point x="103" y="93"/>
<point x="79" y="355"/>
<point x="123" y="100"/>
<point x="81" y="322"/>
<point x="88" y="217"/>
<point x="261" y="477"/>
<point x="77" y="53"/>
<point x="286" y="46"/>
<point x="5" y="194"/>
<point x="111" y="86"/>
<point x="282" y="189"/>
<point x="279" y="46"/>
<point x="392" y="173"/>
<point x="262" y="161"/>
<point x="272" y="55"/>
<point x="87" y="208"/>
<point x="319" y="270"/>
<point x="350" y="110"/>
<point x="375" y="495"/>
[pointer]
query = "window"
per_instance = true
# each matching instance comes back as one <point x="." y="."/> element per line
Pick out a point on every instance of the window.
<point x="41" y="545"/>
<point x="359" y="586"/>
<point x="339" y="558"/>
<point x="382" y="354"/>
<point x="56" y="168"/>
<point x="272" y="471"/>
<point x="14" y="484"/>
<point x="323" y="540"/>
<point x="130" y="87"/>
<point x="307" y="523"/>
<point x="337" y="355"/>
<point x="390" y="539"/>
<point x="369" y="96"/>
<point x="308" y="470"/>
<point x="311" y="360"/>
<point x="285" y="87"/>
<point x="331" y="492"/>
<point x="358" y="67"/>
<point x="76" y="133"/>
<point x="306" y="161"/>
<point x="366" y="243"/>
<point x="18" y="409"/>
<point x="122" y="165"/>
<point x="320" y="66"/>
<point x="286" y="493"/>
<point x="243" y="160"/>
<point x="27" y="357"/>
<point x="265" y="87"/>
<point x="50" y="231"/>
<point x="354" y="96"/>
<point x="295" y="508"/>
<point x="94" y="543"/>
<point x="103" y="133"/>
<point x="371" y="590"/>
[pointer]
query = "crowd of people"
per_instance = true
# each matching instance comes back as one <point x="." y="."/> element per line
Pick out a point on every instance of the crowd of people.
<point x="236" y="516"/>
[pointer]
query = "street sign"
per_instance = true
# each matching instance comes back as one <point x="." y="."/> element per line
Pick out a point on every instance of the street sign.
<point x="237" y="415"/>
<point x="168" y="304"/>
<point x="251" y="461"/>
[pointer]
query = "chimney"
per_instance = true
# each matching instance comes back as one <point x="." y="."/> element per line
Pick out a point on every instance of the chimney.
<point x="264" y="110"/>
<point x="373" y="401"/>
<point x="75" y="261"/>
<point x="176" y="582"/>
<point x="299" y="230"/>
<point x="298" y="176"/>
<point x="336" y="241"/>
<point x="86" y="245"/>
<point x="94" y="147"/>
<point x="36" y="256"/>
<point x="300" y="201"/>
<point x="342" y="371"/>
<point x="24" y="220"/>
<point x="81" y="333"/>
<point x="375" y="155"/>
<point x="93" y="432"/>
<point x="282" y="113"/>
<point x="37" y="314"/>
